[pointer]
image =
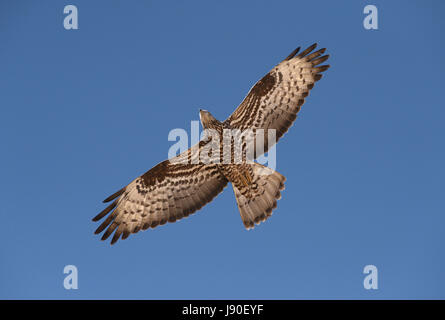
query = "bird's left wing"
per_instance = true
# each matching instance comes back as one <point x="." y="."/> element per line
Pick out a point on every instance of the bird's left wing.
<point x="168" y="192"/>
<point x="274" y="101"/>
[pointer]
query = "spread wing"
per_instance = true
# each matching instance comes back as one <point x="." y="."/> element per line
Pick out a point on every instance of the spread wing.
<point x="274" y="101"/>
<point x="168" y="192"/>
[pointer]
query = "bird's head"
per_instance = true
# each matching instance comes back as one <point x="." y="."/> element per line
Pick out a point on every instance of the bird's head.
<point x="207" y="120"/>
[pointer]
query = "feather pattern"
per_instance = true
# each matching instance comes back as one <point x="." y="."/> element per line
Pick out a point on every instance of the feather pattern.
<point x="178" y="187"/>
<point x="166" y="193"/>
<point x="275" y="100"/>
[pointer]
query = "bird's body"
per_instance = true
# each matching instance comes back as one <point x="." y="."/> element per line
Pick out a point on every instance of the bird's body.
<point x="179" y="186"/>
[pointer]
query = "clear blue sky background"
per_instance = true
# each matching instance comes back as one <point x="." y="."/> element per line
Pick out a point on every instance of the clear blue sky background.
<point x="84" y="112"/>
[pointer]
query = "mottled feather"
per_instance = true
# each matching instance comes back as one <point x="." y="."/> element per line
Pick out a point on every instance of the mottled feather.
<point x="178" y="187"/>
<point x="168" y="192"/>
<point x="274" y="101"/>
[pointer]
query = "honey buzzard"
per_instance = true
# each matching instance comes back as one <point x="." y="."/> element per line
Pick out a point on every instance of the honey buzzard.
<point x="178" y="187"/>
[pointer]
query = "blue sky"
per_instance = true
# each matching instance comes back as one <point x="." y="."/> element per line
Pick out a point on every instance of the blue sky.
<point x="85" y="111"/>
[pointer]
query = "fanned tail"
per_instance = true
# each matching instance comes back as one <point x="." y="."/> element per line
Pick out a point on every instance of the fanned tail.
<point x="256" y="204"/>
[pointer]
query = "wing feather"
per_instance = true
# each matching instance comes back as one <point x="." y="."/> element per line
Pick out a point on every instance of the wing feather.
<point x="178" y="187"/>
<point x="275" y="100"/>
<point x="168" y="192"/>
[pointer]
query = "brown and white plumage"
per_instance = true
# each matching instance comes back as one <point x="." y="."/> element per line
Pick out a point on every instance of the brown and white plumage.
<point x="178" y="187"/>
<point x="257" y="200"/>
<point x="274" y="101"/>
<point x="166" y="193"/>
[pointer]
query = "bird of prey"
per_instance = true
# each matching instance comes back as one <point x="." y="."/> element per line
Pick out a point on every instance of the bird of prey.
<point x="178" y="187"/>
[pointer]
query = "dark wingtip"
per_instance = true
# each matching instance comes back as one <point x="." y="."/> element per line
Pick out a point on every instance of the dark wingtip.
<point x="114" y="195"/>
<point x="104" y="237"/>
<point x="322" y="68"/>
<point x="319" y="60"/>
<point x="312" y="46"/>
<point x="309" y="49"/>
<point x="292" y="54"/>
<point x="104" y="212"/>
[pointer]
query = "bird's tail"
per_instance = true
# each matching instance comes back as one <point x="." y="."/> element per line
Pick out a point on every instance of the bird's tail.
<point x="257" y="195"/>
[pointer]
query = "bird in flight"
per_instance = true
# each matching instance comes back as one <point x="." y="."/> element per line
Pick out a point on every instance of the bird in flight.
<point x="178" y="187"/>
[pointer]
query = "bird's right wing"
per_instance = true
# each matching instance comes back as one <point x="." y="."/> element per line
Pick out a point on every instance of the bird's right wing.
<point x="171" y="190"/>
